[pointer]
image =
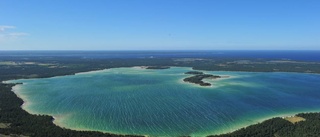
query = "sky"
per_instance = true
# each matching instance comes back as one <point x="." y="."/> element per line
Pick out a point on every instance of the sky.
<point x="160" y="25"/>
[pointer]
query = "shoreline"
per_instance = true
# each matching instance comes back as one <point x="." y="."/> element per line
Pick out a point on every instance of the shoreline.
<point x="95" y="71"/>
<point x="143" y="67"/>
<point x="263" y="119"/>
<point x="55" y="118"/>
<point x="258" y="121"/>
<point x="16" y="89"/>
<point x="256" y="71"/>
<point x="90" y="130"/>
<point x="91" y="72"/>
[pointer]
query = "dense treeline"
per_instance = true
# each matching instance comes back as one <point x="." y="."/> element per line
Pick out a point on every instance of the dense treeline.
<point x="279" y="127"/>
<point x="194" y="72"/>
<point x="157" y="67"/>
<point x="308" y="128"/>
<point x="267" y="128"/>
<point x="22" y="123"/>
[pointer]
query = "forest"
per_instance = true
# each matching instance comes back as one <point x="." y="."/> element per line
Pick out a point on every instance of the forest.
<point x="279" y="127"/>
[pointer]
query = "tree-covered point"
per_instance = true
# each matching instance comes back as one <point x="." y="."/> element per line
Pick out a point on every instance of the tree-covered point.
<point x="194" y="72"/>
<point x="157" y="67"/>
<point x="268" y="128"/>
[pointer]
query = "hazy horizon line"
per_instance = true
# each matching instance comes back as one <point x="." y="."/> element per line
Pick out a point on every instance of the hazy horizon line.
<point x="169" y="50"/>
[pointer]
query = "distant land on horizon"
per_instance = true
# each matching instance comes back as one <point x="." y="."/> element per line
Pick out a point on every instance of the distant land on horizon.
<point x="299" y="55"/>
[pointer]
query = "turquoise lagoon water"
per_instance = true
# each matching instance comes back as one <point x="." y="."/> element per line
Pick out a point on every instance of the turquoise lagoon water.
<point x="159" y="103"/>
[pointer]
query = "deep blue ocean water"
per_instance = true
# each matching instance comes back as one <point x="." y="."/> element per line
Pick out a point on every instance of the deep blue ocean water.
<point x="300" y="55"/>
<point x="159" y="103"/>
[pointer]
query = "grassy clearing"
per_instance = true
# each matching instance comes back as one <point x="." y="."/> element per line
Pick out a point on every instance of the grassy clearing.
<point x="4" y="125"/>
<point x="294" y="119"/>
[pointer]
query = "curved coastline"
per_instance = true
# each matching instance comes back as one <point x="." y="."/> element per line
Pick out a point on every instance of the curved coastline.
<point x="263" y="119"/>
<point x="230" y="131"/>
<point x="56" y="122"/>
<point x="16" y="88"/>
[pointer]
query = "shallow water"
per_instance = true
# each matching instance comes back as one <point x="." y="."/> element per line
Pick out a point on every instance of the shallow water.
<point x="159" y="103"/>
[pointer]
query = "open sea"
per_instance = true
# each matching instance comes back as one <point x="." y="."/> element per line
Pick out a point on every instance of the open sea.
<point x="158" y="103"/>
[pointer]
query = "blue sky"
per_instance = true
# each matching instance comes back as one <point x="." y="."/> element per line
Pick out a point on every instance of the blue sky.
<point x="160" y="24"/>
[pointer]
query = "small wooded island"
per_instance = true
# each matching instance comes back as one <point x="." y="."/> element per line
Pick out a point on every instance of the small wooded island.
<point x="198" y="77"/>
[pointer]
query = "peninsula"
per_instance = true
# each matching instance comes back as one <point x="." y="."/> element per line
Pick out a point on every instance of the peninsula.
<point x="157" y="67"/>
